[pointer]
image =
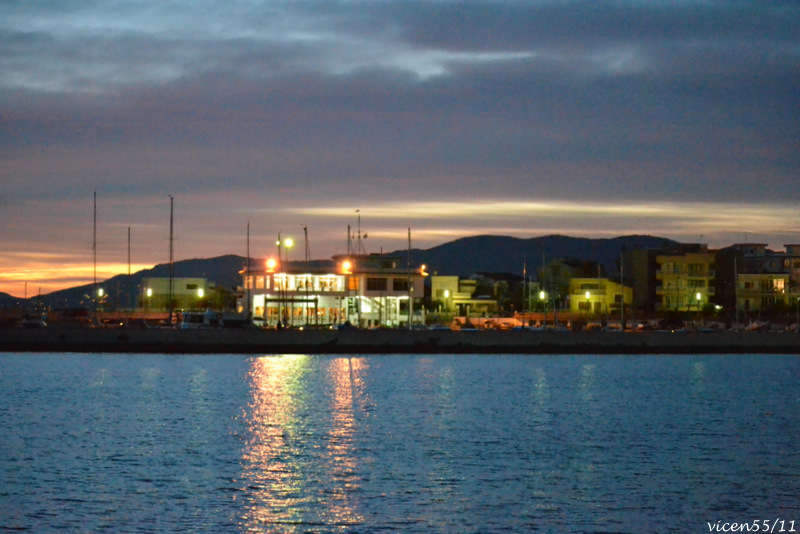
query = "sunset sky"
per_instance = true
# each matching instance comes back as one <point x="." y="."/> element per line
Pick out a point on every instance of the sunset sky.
<point x="675" y="118"/>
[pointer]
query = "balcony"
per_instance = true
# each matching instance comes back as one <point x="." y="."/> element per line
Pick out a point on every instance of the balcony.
<point x="682" y="273"/>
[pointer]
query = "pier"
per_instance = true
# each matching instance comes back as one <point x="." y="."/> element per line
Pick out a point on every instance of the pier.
<point x="257" y="341"/>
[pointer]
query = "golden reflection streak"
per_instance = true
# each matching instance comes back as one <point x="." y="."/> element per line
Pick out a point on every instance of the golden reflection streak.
<point x="346" y="375"/>
<point x="271" y="478"/>
<point x="275" y="475"/>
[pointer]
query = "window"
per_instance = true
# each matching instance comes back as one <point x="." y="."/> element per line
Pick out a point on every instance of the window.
<point x="352" y="283"/>
<point x="400" y="284"/>
<point x="191" y="286"/>
<point x="697" y="268"/>
<point x="376" y="284"/>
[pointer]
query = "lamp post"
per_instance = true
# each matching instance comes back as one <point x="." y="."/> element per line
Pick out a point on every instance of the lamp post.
<point x="543" y="299"/>
<point x="288" y="243"/>
<point x="588" y="303"/>
<point x="283" y="290"/>
<point x="271" y="264"/>
<point x="699" y="298"/>
<point x="347" y="267"/>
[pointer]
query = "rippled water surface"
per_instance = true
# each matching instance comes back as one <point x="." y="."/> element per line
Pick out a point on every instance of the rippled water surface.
<point x="397" y="443"/>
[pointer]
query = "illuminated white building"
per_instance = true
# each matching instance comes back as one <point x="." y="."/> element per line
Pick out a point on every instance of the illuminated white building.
<point x="366" y="290"/>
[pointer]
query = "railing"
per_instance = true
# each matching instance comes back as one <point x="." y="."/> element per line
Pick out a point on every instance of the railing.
<point x="705" y="273"/>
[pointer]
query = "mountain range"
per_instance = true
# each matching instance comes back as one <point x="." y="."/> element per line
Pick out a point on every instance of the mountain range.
<point x="462" y="257"/>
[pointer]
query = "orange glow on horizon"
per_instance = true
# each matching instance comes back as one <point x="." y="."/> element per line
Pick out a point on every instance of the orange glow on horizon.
<point x="53" y="273"/>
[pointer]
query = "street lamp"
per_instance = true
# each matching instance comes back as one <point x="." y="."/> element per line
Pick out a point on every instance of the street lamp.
<point x="346" y="269"/>
<point x="543" y="299"/>
<point x="588" y="303"/>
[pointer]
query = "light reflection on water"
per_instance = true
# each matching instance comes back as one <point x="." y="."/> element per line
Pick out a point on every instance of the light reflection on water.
<point x="420" y="443"/>
<point x="287" y="449"/>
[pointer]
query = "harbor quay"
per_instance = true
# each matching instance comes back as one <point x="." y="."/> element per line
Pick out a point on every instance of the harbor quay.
<point x="384" y="341"/>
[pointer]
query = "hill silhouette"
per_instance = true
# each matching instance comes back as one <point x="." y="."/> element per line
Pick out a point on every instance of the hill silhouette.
<point x="487" y="253"/>
<point x="464" y="256"/>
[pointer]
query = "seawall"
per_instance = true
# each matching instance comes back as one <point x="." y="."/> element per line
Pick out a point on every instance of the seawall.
<point x="254" y="341"/>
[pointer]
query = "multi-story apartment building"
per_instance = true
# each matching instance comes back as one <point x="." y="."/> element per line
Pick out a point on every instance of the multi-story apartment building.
<point x="365" y="290"/>
<point x="686" y="282"/>
<point x="767" y="281"/>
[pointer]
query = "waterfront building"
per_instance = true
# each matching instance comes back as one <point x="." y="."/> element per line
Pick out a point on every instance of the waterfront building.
<point x="598" y="298"/>
<point x="365" y="290"/>
<point x="458" y="296"/>
<point x="187" y="293"/>
<point x="762" y="292"/>
<point x="686" y="282"/>
<point x="767" y="281"/>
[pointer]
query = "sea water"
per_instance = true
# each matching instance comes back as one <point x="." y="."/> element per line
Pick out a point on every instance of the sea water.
<point x="400" y="443"/>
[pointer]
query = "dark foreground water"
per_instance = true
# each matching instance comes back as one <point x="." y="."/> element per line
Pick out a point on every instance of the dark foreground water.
<point x="397" y="443"/>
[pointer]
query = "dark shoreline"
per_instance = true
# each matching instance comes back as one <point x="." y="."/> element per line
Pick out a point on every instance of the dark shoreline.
<point x="253" y="341"/>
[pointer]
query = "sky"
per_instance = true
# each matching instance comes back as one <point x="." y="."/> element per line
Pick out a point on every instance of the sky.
<point x="675" y="118"/>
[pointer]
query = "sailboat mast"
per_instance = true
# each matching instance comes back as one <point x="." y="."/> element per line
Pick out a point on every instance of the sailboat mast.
<point x="171" y="268"/>
<point x="247" y="274"/>
<point x="94" y="241"/>
<point x="410" y="283"/>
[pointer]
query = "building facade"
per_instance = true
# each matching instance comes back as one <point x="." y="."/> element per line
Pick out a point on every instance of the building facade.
<point x="363" y="290"/>
<point x="456" y="296"/>
<point x="187" y="293"/>
<point x="686" y="282"/>
<point x="598" y="298"/>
